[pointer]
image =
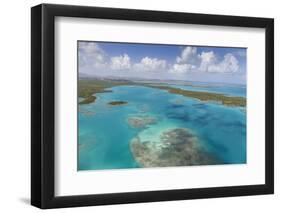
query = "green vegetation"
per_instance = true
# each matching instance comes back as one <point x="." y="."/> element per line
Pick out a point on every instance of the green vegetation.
<point x="114" y="103"/>
<point x="88" y="100"/>
<point x="206" y="96"/>
<point x="88" y="87"/>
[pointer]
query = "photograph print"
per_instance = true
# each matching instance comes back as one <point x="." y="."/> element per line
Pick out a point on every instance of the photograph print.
<point x="160" y="105"/>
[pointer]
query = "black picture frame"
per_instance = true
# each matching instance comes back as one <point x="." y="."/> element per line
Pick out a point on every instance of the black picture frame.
<point x="43" y="111"/>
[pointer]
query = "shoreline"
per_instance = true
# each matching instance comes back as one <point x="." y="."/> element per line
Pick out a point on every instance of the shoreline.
<point x="88" y="88"/>
<point x="206" y="96"/>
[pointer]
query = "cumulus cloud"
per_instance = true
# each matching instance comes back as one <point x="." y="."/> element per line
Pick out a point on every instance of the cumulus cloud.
<point x="187" y="61"/>
<point x="210" y="63"/>
<point x="150" y="64"/>
<point x="181" y="68"/>
<point x="191" y="60"/>
<point x="188" y="56"/>
<point x="229" y="64"/>
<point x="90" y="54"/>
<point x="207" y="59"/>
<point x="93" y="59"/>
<point x="121" y="62"/>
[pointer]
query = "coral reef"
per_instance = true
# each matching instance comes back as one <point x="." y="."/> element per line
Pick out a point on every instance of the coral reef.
<point x="177" y="147"/>
<point x="87" y="113"/>
<point x="141" y="121"/>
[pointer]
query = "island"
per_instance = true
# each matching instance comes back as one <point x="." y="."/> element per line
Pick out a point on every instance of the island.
<point x="116" y="103"/>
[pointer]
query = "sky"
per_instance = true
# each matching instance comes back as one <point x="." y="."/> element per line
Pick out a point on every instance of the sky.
<point x="162" y="61"/>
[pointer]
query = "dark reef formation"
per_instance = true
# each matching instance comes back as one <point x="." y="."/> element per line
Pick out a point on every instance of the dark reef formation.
<point x="87" y="113"/>
<point x="141" y="121"/>
<point x="177" y="147"/>
<point x="117" y="103"/>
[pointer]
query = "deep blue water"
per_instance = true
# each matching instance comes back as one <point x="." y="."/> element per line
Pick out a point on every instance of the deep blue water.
<point x="104" y="134"/>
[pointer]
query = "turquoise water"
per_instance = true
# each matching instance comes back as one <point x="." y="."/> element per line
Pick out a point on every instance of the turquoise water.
<point x="104" y="133"/>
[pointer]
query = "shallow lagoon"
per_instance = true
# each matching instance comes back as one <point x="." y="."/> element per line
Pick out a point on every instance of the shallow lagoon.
<point x="105" y="135"/>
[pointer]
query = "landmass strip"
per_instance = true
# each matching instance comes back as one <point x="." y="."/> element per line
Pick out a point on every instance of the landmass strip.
<point x="206" y="96"/>
<point x="87" y="89"/>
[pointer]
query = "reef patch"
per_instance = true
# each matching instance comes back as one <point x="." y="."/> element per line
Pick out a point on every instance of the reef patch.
<point x="177" y="147"/>
<point x="87" y="113"/>
<point x="117" y="103"/>
<point x="141" y="121"/>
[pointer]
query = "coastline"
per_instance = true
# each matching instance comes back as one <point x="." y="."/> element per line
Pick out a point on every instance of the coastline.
<point x="88" y="89"/>
<point x="206" y="96"/>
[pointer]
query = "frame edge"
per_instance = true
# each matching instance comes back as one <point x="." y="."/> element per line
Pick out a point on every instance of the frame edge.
<point x="36" y="50"/>
<point x="269" y="116"/>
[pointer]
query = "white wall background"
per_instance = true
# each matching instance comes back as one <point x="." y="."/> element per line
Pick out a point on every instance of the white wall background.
<point x="15" y="105"/>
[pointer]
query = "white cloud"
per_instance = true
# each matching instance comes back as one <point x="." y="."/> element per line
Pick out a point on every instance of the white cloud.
<point x="94" y="60"/>
<point x="190" y="60"/>
<point x="187" y="61"/>
<point x="181" y="68"/>
<point x="229" y="64"/>
<point x="121" y="62"/>
<point x="90" y="54"/>
<point x="207" y="59"/>
<point x="188" y="56"/>
<point x="151" y="64"/>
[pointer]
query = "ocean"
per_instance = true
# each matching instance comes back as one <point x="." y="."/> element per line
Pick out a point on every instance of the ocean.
<point x="105" y="135"/>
